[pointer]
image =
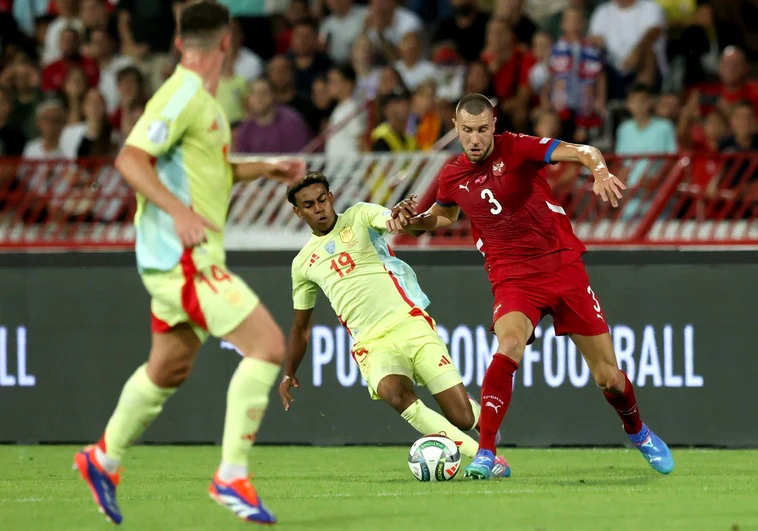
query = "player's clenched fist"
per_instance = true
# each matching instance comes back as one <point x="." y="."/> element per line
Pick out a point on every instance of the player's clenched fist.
<point x="191" y="227"/>
<point x="401" y="215"/>
<point x="284" y="390"/>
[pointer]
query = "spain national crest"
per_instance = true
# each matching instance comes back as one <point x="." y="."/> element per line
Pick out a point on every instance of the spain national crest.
<point x="330" y="247"/>
<point x="346" y="234"/>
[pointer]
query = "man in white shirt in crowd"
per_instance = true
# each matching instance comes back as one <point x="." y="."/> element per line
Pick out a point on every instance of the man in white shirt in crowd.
<point x="633" y="34"/>
<point x="387" y="23"/>
<point x="411" y="66"/>
<point x="51" y="117"/>
<point x="340" y="29"/>
<point x="68" y="17"/>
<point x="102" y="48"/>
<point x="347" y="123"/>
<point x="246" y="62"/>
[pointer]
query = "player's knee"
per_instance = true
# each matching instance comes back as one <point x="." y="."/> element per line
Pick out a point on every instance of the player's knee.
<point x="270" y="348"/>
<point x="396" y="396"/>
<point x="510" y="345"/>
<point x="169" y="373"/>
<point x="608" y="378"/>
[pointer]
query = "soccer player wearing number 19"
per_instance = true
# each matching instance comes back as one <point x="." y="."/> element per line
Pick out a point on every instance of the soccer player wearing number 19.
<point x="378" y="300"/>
<point x="533" y="260"/>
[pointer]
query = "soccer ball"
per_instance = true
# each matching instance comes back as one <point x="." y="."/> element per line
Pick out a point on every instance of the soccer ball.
<point x="434" y="458"/>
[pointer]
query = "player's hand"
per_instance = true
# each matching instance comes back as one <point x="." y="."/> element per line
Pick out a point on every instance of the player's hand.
<point x="191" y="228"/>
<point x="287" y="171"/>
<point x="405" y="209"/>
<point x="609" y="188"/>
<point x="284" y="390"/>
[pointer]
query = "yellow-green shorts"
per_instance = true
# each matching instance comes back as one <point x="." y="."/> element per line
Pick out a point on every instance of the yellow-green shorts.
<point x="212" y="300"/>
<point x="413" y="349"/>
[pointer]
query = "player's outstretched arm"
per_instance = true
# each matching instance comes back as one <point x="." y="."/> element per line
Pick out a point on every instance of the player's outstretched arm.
<point x="437" y="217"/>
<point x="297" y="344"/>
<point x="135" y="166"/>
<point x="285" y="171"/>
<point x="606" y="185"/>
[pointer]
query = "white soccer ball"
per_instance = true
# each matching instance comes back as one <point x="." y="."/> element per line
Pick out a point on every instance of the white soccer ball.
<point x="434" y="458"/>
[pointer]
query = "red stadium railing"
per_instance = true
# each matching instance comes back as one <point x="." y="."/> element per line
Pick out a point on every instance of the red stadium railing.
<point x="684" y="200"/>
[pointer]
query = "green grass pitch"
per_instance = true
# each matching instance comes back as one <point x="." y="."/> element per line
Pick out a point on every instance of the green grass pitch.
<point x="369" y="488"/>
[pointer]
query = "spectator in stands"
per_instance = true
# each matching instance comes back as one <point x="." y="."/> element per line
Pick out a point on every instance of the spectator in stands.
<point x="632" y="34"/>
<point x="51" y="118"/>
<point x="642" y="134"/>
<point x="391" y="135"/>
<point x="669" y="107"/>
<point x="425" y="121"/>
<point x="231" y="92"/>
<point x="735" y="24"/>
<point x="23" y="78"/>
<point x="74" y="90"/>
<point x="540" y="70"/>
<point x="131" y="91"/>
<point x="547" y="124"/>
<point x="56" y="72"/>
<point x="283" y="26"/>
<point x="509" y="66"/>
<point x="553" y="24"/>
<point x="366" y="72"/>
<point x="12" y="140"/>
<point x="576" y="88"/>
<point x="689" y="34"/>
<point x="465" y="29"/>
<point x="129" y="119"/>
<point x="247" y="63"/>
<point x="320" y="108"/>
<point x="68" y="17"/>
<point x="94" y="15"/>
<point x="478" y="80"/>
<point x="281" y="75"/>
<point x="744" y="135"/>
<point x="271" y="128"/>
<point x="309" y="62"/>
<point x="347" y="123"/>
<point x="411" y="66"/>
<point x="146" y="31"/>
<point x="512" y="12"/>
<point x="734" y="85"/>
<point x="341" y="28"/>
<point x="450" y="72"/>
<point x="93" y="136"/>
<point x="386" y="25"/>
<point x="102" y="47"/>
<point x="26" y="13"/>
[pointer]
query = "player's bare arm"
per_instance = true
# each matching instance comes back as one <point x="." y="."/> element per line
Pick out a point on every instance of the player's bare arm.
<point x="283" y="171"/>
<point x="297" y="344"/>
<point x="606" y="185"/>
<point x="437" y="217"/>
<point x="136" y="166"/>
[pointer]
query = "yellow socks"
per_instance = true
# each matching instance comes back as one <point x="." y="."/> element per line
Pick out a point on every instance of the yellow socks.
<point x="140" y="402"/>
<point x="246" y="402"/>
<point x="428" y="422"/>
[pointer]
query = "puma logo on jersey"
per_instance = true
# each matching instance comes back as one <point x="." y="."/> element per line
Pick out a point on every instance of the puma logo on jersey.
<point x="464" y="187"/>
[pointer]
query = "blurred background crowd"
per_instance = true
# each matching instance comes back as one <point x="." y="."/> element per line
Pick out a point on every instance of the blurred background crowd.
<point x="342" y="76"/>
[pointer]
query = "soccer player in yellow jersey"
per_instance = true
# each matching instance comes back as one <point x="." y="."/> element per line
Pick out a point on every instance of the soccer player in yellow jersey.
<point x="378" y="300"/>
<point x="176" y="158"/>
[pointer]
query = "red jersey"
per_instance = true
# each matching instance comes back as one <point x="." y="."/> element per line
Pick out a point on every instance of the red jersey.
<point x="517" y="223"/>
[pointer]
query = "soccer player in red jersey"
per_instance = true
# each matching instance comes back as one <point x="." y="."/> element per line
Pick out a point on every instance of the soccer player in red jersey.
<point x="533" y="260"/>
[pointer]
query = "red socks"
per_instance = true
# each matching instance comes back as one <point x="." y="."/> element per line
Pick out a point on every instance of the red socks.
<point x="625" y="405"/>
<point x="497" y="389"/>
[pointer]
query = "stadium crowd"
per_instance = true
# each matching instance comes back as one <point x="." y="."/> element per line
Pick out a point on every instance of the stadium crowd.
<point x="644" y="76"/>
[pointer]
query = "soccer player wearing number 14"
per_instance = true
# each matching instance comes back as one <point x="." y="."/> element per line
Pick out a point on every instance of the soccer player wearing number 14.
<point x="378" y="300"/>
<point x="533" y="260"/>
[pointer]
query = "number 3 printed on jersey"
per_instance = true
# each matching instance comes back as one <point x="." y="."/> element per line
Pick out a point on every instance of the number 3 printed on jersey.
<point x="497" y="208"/>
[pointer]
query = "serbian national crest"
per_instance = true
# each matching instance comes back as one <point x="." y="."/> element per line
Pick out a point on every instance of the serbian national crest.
<point x="330" y="247"/>
<point x="498" y="167"/>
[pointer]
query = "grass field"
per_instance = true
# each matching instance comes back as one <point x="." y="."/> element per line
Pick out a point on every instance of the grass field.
<point x="367" y="489"/>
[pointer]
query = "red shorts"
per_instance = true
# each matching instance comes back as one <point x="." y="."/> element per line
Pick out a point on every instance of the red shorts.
<point x="565" y="294"/>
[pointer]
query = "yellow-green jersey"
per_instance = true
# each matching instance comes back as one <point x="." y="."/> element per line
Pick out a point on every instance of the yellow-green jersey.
<point x="185" y="129"/>
<point x="368" y="287"/>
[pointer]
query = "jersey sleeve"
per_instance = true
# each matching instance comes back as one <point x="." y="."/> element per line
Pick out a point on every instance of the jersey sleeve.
<point x="444" y="197"/>
<point x="375" y="216"/>
<point x="533" y="148"/>
<point x="167" y="117"/>
<point x="304" y="292"/>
